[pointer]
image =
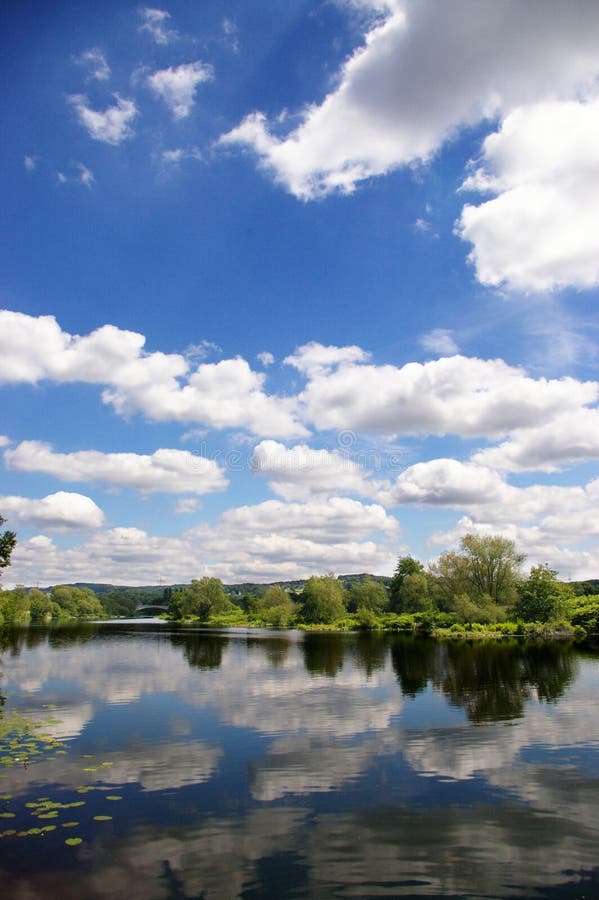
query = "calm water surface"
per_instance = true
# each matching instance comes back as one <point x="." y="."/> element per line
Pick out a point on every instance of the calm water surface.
<point x="254" y="764"/>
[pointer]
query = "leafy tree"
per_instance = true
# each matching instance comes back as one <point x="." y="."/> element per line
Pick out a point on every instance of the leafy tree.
<point x="40" y="605"/>
<point x="323" y="599"/>
<point x="276" y="606"/>
<point x="8" y="539"/>
<point x="203" y="598"/>
<point x="14" y="607"/>
<point x="406" y="565"/>
<point x="368" y="594"/>
<point x="415" y="593"/>
<point x="77" y="603"/>
<point x="542" y="597"/>
<point x="485" y="567"/>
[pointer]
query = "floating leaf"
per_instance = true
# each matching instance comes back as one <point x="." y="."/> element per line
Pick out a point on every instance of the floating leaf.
<point x="74" y="842"/>
<point x="102" y="818"/>
<point x="70" y="824"/>
<point x="6" y="797"/>
<point x="7" y="815"/>
<point x="113" y="797"/>
<point x="47" y="828"/>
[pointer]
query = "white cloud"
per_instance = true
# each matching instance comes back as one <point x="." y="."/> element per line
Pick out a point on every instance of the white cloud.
<point x="60" y="511"/>
<point x="314" y="358"/>
<point x="455" y="395"/>
<point x="95" y="62"/>
<point x="447" y="482"/>
<point x="174" y="157"/>
<point x="267" y="542"/>
<point x="4" y="441"/>
<point x="265" y="358"/>
<point x="86" y="176"/>
<point x="30" y="163"/>
<point x="186" y="506"/>
<point x="177" y="85"/>
<point x="199" y="352"/>
<point x="113" y="125"/>
<point x="172" y="471"/>
<point x="541" y="229"/>
<point x="300" y="472"/>
<point x="440" y="340"/>
<point x="155" y="23"/>
<point x="571" y="437"/>
<point x="227" y="394"/>
<point x="423" y="72"/>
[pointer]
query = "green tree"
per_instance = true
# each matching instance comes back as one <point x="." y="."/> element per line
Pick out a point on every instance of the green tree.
<point x="276" y="607"/>
<point x="368" y="594"/>
<point x="8" y="539"/>
<point x="323" y="599"/>
<point x="40" y="605"/>
<point x="14" y="607"/>
<point x="542" y="597"/>
<point x="406" y="565"/>
<point x="203" y="598"/>
<point x="485" y="567"/>
<point x="76" y="603"/>
<point x="415" y="593"/>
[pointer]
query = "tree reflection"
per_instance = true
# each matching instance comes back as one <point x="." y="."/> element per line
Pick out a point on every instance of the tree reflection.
<point x="415" y="662"/>
<point x="203" y="651"/>
<point x="371" y="652"/>
<point x="323" y="653"/>
<point x="493" y="681"/>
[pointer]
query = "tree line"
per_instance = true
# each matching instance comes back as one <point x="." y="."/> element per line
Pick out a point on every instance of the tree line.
<point x="479" y="585"/>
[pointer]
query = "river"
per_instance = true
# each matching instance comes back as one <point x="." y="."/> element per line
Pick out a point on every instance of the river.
<point x="145" y="761"/>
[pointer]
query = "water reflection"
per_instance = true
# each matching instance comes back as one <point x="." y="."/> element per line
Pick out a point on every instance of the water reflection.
<point x="318" y="765"/>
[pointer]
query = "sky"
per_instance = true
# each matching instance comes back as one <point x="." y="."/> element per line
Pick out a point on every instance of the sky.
<point x="295" y="288"/>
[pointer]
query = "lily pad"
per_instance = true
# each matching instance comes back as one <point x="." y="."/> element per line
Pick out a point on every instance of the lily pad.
<point x="74" y="842"/>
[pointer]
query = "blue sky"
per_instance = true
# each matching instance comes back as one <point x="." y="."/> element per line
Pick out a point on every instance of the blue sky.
<point x="296" y="288"/>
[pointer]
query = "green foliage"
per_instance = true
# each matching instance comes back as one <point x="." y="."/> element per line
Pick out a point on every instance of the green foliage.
<point x="323" y="599"/>
<point x="583" y="612"/>
<point x="485" y="567"/>
<point x="8" y="539"/>
<point x="40" y="605"/>
<point x="202" y="599"/>
<point x="14" y="607"/>
<point x="406" y="566"/>
<point x="482" y="610"/>
<point x="368" y="595"/>
<point x="75" y="603"/>
<point x="542" y="598"/>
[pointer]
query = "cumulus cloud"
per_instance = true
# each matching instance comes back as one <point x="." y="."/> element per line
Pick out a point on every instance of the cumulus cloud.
<point x="265" y="358"/>
<point x="421" y="73"/>
<point x="30" y="163"/>
<point x="541" y="228"/>
<point x="162" y="387"/>
<point x="455" y="395"/>
<point x="95" y="62"/>
<point x="155" y="23"/>
<point x="313" y="358"/>
<point x="267" y="542"/>
<point x="172" y="471"/>
<point x="570" y="438"/>
<point x="177" y="85"/>
<point x="301" y="472"/>
<point x="60" y="511"/>
<point x="113" y="125"/>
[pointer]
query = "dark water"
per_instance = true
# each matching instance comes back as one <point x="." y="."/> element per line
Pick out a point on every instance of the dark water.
<point x="282" y="765"/>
